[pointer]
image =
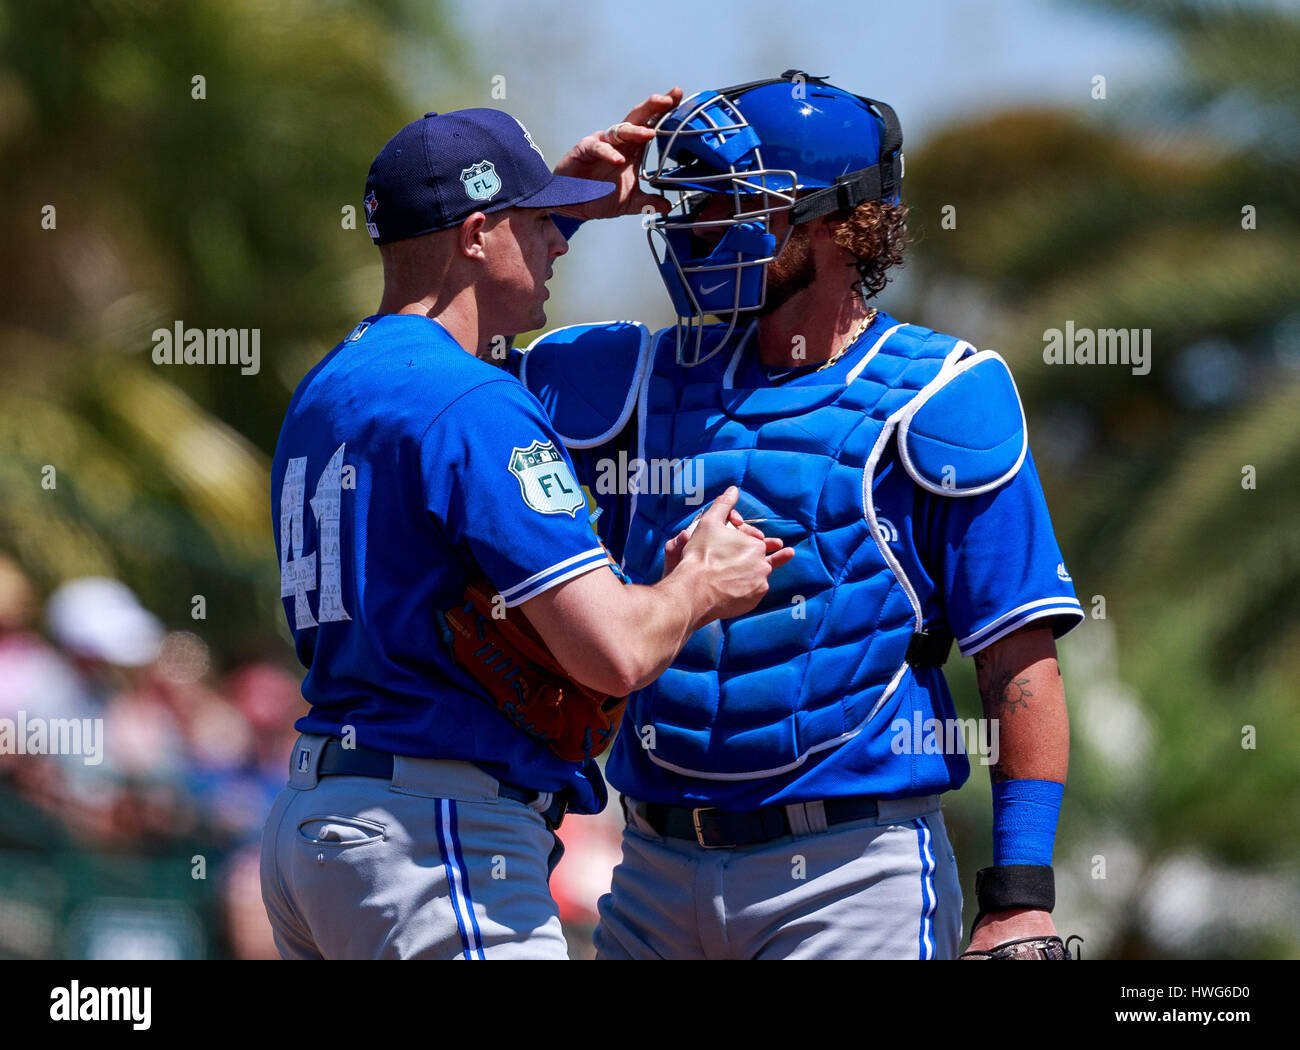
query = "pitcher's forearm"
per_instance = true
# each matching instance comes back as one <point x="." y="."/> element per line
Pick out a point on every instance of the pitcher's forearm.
<point x="618" y="638"/>
<point x="659" y="621"/>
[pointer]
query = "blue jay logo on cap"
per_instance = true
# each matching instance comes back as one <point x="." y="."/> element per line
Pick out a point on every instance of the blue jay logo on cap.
<point x="372" y="205"/>
<point x="481" y="181"/>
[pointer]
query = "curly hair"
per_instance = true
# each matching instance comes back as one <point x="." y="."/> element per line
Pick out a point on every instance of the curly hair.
<point x="875" y="235"/>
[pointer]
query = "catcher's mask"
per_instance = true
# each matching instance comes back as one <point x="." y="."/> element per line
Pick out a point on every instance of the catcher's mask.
<point x="792" y="144"/>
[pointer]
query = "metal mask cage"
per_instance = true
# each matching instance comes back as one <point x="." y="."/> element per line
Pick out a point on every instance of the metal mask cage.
<point x="689" y="330"/>
<point x="664" y="169"/>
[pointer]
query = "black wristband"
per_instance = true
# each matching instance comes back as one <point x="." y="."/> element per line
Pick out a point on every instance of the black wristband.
<point x="1014" y="886"/>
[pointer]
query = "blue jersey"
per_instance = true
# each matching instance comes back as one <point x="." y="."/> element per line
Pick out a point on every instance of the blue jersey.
<point x="985" y="565"/>
<point x="405" y="468"/>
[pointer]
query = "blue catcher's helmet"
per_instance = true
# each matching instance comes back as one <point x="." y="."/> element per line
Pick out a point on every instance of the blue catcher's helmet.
<point x="793" y="144"/>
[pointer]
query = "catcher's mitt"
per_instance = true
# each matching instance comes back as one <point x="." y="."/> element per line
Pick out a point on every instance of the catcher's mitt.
<point x="508" y="658"/>
<point x="1031" y="948"/>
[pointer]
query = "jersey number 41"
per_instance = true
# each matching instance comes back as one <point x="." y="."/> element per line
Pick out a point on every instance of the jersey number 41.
<point x="298" y="573"/>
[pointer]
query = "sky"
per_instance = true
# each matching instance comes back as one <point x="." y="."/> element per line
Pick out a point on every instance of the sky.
<point x="576" y="66"/>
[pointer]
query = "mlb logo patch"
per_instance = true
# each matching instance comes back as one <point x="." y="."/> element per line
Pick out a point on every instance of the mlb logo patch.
<point x="481" y="181"/>
<point x="304" y="759"/>
<point x="371" y="204"/>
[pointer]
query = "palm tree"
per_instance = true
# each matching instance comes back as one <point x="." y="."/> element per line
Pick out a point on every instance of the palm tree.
<point x="197" y="160"/>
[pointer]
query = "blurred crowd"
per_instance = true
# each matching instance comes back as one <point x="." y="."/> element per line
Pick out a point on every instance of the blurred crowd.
<point x="191" y="759"/>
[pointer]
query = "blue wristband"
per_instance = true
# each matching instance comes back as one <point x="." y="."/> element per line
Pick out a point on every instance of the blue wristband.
<point x="1024" y="820"/>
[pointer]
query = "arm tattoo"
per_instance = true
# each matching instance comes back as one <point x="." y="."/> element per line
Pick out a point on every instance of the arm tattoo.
<point x="1005" y="691"/>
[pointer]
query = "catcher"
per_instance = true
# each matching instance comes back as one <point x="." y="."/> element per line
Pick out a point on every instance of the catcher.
<point x="466" y="641"/>
<point x="782" y="798"/>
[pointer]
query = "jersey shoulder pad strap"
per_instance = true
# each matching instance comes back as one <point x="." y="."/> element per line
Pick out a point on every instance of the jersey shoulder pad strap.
<point x="587" y="377"/>
<point x="965" y="433"/>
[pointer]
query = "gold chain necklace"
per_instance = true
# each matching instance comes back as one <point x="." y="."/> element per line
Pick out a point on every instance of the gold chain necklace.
<point x="866" y="323"/>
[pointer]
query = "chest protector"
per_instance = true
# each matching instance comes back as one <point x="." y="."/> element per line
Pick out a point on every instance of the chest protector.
<point x="811" y="665"/>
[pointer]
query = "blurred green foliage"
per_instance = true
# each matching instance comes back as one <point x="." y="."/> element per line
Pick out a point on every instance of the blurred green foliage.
<point x="221" y="211"/>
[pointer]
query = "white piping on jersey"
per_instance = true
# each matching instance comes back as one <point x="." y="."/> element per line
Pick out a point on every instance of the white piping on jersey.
<point x="1046" y="607"/>
<point x="546" y="572"/>
<point x="546" y="585"/>
<point x="1015" y="625"/>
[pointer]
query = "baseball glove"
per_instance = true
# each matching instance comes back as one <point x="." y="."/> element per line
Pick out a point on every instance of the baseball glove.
<point x="1030" y="948"/>
<point x="508" y="658"/>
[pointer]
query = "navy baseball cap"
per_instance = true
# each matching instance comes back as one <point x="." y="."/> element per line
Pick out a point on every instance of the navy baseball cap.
<point x="439" y="170"/>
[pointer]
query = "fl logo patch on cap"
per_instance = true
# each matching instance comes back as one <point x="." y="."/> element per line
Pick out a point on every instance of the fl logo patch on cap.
<point x="481" y="181"/>
<point x="547" y="484"/>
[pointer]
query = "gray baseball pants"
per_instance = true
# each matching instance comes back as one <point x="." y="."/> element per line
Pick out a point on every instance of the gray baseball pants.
<point x="430" y="865"/>
<point x="868" y="889"/>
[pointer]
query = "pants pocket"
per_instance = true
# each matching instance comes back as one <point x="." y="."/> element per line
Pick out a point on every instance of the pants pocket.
<point x="336" y="831"/>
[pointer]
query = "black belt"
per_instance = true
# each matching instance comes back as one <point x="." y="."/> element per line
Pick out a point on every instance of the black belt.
<point x="719" y="829"/>
<point x="337" y="760"/>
